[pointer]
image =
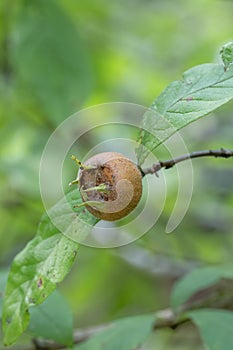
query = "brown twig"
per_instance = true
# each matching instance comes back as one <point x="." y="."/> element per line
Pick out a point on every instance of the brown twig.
<point x="222" y="152"/>
<point x="79" y="336"/>
<point x="218" y="296"/>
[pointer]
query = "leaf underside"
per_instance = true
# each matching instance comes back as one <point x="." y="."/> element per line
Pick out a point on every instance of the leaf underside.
<point x="201" y="90"/>
<point x="196" y="280"/>
<point x="127" y="333"/>
<point x="43" y="263"/>
<point x="215" y="327"/>
<point x="52" y="320"/>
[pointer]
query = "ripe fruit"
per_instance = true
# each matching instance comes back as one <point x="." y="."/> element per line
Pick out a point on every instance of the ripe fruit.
<point x="110" y="185"/>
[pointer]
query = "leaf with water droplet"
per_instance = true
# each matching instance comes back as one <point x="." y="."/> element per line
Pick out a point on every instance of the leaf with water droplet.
<point x="202" y="89"/>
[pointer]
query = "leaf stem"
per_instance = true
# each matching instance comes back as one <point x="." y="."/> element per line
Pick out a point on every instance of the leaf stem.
<point x="222" y="152"/>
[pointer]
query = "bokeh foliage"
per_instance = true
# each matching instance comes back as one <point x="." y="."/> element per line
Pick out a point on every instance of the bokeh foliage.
<point x="57" y="57"/>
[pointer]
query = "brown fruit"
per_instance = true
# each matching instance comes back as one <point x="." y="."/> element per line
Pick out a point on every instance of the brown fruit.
<point x="122" y="182"/>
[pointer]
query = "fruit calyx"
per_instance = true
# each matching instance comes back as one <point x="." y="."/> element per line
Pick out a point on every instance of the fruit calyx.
<point x="110" y="185"/>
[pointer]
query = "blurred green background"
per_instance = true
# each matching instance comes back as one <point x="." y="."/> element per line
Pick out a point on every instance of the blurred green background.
<point x="57" y="57"/>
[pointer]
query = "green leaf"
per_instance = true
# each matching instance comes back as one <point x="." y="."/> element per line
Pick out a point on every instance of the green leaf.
<point x="43" y="263"/>
<point x="50" y="62"/>
<point x="196" y="280"/>
<point x="124" y="334"/>
<point x="202" y="89"/>
<point x="215" y="327"/>
<point x="226" y="53"/>
<point x="52" y="320"/>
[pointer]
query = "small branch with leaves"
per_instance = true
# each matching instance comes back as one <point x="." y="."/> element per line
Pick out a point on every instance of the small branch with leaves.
<point x="218" y="296"/>
<point x="201" y="90"/>
<point x="167" y="164"/>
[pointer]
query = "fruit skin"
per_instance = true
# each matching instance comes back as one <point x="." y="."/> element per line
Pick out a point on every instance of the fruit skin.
<point x="123" y="182"/>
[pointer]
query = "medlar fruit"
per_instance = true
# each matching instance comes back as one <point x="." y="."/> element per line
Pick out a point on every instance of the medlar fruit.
<point x="110" y="185"/>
